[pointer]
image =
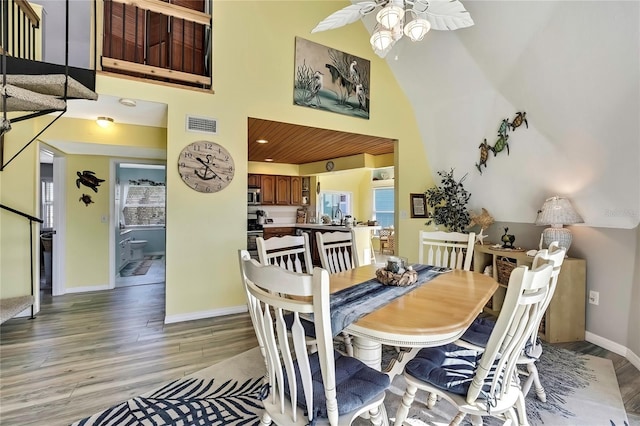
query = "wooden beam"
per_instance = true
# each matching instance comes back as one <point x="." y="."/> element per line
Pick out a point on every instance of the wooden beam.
<point x="155" y="71"/>
<point x="170" y="10"/>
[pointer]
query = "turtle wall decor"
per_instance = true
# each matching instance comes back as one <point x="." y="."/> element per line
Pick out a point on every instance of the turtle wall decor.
<point x="88" y="179"/>
<point x="86" y="199"/>
<point x="503" y="137"/>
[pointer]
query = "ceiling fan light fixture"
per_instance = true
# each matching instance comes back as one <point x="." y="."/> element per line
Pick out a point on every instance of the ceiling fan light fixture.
<point x="417" y="29"/>
<point x="381" y="39"/>
<point x="390" y="16"/>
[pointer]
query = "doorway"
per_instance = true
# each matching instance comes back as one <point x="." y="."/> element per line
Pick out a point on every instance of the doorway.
<point x="139" y="205"/>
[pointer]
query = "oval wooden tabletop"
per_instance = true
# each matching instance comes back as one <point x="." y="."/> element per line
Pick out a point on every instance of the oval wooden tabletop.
<point x="445" y="305"/>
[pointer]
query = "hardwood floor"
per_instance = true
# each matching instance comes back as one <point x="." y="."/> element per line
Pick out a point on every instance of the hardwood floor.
<point x="86" y="352"/>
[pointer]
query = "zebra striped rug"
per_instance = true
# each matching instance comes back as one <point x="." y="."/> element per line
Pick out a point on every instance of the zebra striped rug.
<point x="581" y="390"/>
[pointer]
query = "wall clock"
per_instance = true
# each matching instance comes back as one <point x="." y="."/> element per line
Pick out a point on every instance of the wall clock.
<point x="206" y="166"/>
<point x="329" y="166"/>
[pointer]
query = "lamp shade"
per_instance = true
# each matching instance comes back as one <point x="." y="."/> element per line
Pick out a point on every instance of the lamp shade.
<point x="389" y="16"/>
<point x="417" y="29"/>
<point x="381" y="39"/>
<point x="557" y="211"/>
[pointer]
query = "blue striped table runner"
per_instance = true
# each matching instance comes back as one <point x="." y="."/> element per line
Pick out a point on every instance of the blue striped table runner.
<point x="350" y="304"/>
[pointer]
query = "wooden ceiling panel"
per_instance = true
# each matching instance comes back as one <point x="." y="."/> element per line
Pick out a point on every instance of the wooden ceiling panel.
<point x="294" y="144"/>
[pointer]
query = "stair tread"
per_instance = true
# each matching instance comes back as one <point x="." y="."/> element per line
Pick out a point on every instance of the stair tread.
<point x="52" y="84"/>
<point x="19" y="99"/>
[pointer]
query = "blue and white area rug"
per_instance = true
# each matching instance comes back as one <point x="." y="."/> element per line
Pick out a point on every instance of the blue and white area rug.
<point x="581" y="390"/>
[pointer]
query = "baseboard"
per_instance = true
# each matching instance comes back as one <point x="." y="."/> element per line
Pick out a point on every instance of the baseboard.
<point x="633" y="359"/>
<point x="169" y="319"/>
<point x="613" y="347"/>
<point x="86" y="289"/>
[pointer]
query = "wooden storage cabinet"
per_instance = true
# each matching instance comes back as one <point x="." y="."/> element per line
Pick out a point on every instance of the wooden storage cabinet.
<point x="564" y="320"/>
<point x="280" y="190"/>
<point x="268" y="189"/>
<point x="253" y="181"/>
<point x="296" y="190"/>
<point x="283" y="190"/>
<point x="278" y="231"/>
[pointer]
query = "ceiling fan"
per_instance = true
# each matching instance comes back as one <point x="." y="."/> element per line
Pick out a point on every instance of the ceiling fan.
<point x="422" y="15"/>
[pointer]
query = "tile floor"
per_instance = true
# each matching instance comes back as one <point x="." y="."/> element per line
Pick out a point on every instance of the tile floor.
<point x="155" y="274"/>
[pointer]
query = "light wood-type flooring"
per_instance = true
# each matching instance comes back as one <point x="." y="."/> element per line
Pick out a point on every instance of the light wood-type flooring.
<point x="86" y="352"/>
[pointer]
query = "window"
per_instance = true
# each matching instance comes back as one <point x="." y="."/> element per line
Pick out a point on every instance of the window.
<point x="46" y="200"/>
<point x="144" y="205"/>
<point x="333" y="204"/>
<point x="383" y="206"/>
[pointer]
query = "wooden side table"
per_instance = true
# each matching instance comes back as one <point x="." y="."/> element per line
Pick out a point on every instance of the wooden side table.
<point x="564" y="320"/>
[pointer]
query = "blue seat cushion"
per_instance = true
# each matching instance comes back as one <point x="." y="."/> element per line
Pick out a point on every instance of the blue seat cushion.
<point x="308" y="326"/>
<point x="356" y="385"/>
<point x="479" y="331"/>
<point x="449" y="367"/>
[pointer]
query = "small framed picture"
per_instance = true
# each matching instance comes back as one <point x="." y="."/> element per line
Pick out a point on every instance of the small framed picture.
<point x="418" y="205"/>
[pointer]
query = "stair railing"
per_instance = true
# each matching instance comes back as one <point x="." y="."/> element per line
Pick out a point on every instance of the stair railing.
<point x="31" y="219"/>
<point x="5" y="123"/>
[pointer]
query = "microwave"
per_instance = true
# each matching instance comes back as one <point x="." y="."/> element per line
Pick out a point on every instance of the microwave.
<point x="253" y="196"/>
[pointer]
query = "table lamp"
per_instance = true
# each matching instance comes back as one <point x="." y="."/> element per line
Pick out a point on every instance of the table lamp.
<point x="557" y="211"/>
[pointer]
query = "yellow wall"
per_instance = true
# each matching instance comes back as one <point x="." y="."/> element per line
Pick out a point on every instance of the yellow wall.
<point x="253" y="77"/>
<point x="18" y="190"/>
<point x="87" y="237"/>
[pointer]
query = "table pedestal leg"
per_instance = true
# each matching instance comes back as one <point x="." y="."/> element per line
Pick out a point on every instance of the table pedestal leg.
<point x="368" y="351"/>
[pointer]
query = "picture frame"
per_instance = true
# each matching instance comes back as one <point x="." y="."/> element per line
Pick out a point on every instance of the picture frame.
<point x="418" y="205"/>
<point x="328" y="79"/>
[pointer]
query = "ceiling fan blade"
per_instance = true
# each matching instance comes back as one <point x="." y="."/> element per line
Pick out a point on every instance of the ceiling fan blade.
<point x="448" y="15"/>
<point x="345" y="16"/>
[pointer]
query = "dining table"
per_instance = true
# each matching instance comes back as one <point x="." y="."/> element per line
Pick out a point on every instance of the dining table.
<point x="432" y="314"/>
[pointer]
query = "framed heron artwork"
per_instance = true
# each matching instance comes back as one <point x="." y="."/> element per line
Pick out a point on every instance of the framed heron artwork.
<point x="330" y="80"/>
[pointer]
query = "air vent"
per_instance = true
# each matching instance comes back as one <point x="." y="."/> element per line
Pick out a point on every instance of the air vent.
<point x="202" y="125"/>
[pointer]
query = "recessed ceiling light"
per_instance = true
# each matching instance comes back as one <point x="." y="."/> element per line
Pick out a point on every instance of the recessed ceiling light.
<point x="128" y="102"/>
<point x="262" y="141"/>
<point x="268" y="159"/>
<point x="104" y="121"/>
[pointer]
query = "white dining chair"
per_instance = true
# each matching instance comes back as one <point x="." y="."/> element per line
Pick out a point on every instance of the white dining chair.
<point x="289" y="252"/>
<point x="337" y="251"/>
<point x="477" y="335"/>
<point x="321" y="388"/>
<point x="484" y="383"/>
<point x="337" y="254"/>
<point x="292" y="253"/>
<point x="447" y="249"/>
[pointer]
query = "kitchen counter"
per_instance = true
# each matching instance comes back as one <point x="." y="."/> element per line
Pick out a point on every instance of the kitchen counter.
<point x="334" y="227"/>
<point x="362" y="234"/>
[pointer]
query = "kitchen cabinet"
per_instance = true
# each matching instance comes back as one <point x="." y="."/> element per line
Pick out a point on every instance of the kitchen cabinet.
<point x="278" y="231"/>
<point x="253" y="180"/>
<point x="296" y="190"/>
<point x="305" y="198"/>
<point x="564" y="320"/>
<point x="268" y="189"/>
<point x="283" y="190"/>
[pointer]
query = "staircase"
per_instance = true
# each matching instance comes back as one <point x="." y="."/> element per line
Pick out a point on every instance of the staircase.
<point x="42" y="92"/>
<point x="30" y="86"/>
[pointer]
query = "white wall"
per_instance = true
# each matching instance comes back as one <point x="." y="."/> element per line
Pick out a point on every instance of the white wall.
<point x="574" y="68"/>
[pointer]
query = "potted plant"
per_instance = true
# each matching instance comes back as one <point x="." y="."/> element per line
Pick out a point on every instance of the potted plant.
<point x="448" y="203"/>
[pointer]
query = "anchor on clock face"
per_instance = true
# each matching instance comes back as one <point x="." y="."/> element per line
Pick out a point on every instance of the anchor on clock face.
<point x="206" y="169"/>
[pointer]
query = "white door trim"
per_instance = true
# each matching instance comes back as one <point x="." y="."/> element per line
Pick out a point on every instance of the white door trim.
<point x="58" y="260"/>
